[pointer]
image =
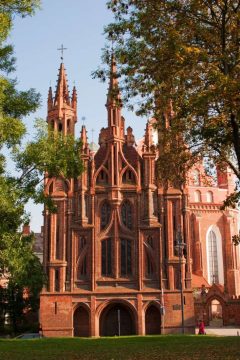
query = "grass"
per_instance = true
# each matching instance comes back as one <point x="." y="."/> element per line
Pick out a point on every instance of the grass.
<point x="124" y="348"/>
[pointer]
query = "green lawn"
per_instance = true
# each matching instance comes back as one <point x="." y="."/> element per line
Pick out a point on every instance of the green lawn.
<point x="124" y="348"/>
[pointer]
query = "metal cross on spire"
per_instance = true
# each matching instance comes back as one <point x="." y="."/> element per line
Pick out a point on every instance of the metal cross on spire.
<point x="62" y="49"/>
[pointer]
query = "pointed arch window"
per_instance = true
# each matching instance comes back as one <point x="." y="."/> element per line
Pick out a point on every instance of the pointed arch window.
<point x="127" y="214"/>
<point x="149" y="267"/>
<point x="213" y="265"/>
<point x="83" y="258"/>
<point x="106" y="257"/>
<point x="126" y="257"/>
<point x="102" y="178"/>
<point x="149" y="249"/>
<point x="129" y="177"/>
<point x="105" y="215"/>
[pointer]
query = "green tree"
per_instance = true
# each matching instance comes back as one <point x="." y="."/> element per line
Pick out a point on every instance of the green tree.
<point x="183" y="55"/>
<point x="47" y="154"/>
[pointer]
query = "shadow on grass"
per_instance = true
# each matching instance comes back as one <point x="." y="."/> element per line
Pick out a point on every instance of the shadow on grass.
<point x="180" y="347"/>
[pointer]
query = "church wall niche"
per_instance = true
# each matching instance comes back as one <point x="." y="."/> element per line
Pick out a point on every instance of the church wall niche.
<point x="152" y="320"/>
<point x="150" y="251"/>
<point x="128" y="177"/>
<point x="81" y="322"/>
<point x="102" y="178"/>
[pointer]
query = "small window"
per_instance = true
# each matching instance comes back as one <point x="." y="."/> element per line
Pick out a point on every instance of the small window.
<point x="102" y="178"/>
<point x="197" y="196"/>
<point x="128" y="177"/>
<point x="60" y="127"/>
<point x="209" y="197"/>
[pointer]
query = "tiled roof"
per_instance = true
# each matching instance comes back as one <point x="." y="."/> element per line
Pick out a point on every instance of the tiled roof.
<point x="100" y="156"/>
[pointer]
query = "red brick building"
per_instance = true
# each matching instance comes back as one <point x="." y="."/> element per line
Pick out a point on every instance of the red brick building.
<point x="109" y="251"/>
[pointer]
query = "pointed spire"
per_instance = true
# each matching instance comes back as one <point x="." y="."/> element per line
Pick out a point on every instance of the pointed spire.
<point x="114" y="96"/>
<point x="74" y="98"/>
<point x="62" y="94"/>
<point x="50" y="98"/>
<point x="148" y="135"/>
<point x="83" y="137"/>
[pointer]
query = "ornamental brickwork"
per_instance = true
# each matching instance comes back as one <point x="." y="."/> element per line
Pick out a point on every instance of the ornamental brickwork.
<point x="109" y="251"/>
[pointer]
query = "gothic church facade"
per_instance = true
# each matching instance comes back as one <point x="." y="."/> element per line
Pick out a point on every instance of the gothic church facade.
<point x="109" y="251"/>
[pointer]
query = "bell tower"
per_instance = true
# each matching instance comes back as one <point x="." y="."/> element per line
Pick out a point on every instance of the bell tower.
<point x="62" y="108"/>
<point x="61" y="118"/>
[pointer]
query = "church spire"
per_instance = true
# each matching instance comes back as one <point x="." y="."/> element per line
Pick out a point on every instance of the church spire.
<point x="62" y="94"/>
<point x="84" y="136"/>
<point x="62" y="109"/>
<point x="114" y="95"/>
<point x="114" y="102"/>
<point x="50" y="98"/>
<point x="74" y="98"/>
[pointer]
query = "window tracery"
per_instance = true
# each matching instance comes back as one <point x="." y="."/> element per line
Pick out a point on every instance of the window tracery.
<point x="106" y="257"/>
<point x="105" y="215"/>
<point x="127" y="215"/>
<point x="126" y="257"/>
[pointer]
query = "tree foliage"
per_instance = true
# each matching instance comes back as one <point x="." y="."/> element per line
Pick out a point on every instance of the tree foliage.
<point x="179" y="62"/>
<point x="46" y="154"/>
<point x="183" y="53"/>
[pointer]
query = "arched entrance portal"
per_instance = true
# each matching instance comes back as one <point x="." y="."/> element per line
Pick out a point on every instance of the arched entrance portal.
<point x="215" y="313"/>
<point x="81" y="322"/>
<point x="117" y="319"/>
<point x="152" y="321"/>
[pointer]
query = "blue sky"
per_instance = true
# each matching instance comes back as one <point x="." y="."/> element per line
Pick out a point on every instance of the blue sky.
<point x="78" y="24"/>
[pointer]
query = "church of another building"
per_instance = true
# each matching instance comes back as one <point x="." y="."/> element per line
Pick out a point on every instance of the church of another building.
<point x="110" y="251"/>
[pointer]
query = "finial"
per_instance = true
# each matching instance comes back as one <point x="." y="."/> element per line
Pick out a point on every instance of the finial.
<point x="83" y="120"/>
<point x="92" y="131"/>
<point x="62" y="49"/>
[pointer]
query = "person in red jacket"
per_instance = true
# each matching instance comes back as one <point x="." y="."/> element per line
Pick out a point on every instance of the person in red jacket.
<point x="201" y="328"/>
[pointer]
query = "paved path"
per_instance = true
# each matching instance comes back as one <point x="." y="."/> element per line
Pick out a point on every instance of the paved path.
<point x="222" y="331"/>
